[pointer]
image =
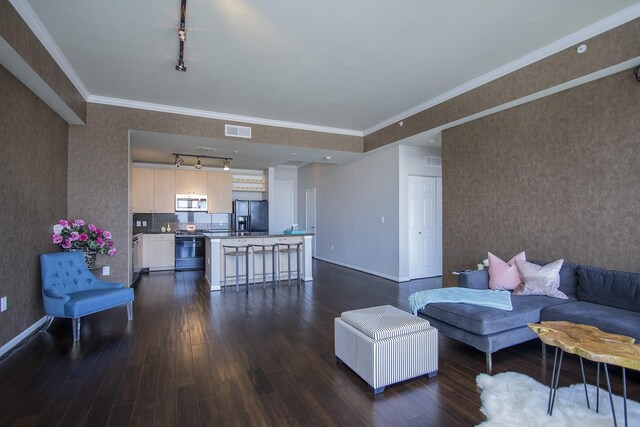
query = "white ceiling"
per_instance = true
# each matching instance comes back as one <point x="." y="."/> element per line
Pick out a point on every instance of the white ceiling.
<point x="342" y="64"/>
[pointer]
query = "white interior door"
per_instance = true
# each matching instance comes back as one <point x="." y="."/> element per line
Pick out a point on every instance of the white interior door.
<point x="283" y="208"/>
<point x="424" y="235"/>
<point x="310" y="214"/>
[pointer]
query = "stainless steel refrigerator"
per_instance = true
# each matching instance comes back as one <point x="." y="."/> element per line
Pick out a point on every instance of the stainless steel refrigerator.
<point x="251" y="215"/>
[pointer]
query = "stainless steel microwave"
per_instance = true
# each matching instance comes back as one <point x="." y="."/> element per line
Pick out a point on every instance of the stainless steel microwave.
<point x="191" y="203"/>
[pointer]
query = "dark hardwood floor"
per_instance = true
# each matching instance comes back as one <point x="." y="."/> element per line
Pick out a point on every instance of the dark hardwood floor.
<point x="195" y="358"/>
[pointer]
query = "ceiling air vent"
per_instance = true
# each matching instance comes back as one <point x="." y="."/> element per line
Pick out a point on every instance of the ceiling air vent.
<point x="432" y="161"/>
<point x="237" y="131"/>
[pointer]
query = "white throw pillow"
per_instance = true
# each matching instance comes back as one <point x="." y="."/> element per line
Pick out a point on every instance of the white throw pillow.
<point x="540" y="280"/>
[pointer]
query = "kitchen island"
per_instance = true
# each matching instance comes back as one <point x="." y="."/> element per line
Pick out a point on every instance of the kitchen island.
<point x="214" y="257"/>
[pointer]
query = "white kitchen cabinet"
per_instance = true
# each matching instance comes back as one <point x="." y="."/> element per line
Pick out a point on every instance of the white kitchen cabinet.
<point x="191" y="182"/>
<point x="161" y="251"/>
<point x="220" y="192"/>
<point x="152" y="190"/>
<point x="164" y="191"/>
<point x="141" y="190"/>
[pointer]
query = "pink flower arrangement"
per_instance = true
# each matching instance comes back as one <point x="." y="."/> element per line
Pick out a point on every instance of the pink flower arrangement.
<point x="78" y="235"/>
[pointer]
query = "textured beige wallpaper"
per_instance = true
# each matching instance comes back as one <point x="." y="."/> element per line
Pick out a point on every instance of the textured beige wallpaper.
<point x="557" y="178"/>
<point x="33" y="172"/>
<point x="613" y="47"/>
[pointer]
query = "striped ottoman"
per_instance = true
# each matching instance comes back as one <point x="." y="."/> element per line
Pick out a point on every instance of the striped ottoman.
<point x="385" y="345"/>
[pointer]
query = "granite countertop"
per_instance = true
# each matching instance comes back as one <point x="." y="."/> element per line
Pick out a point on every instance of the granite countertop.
<point x="234" y="235"/>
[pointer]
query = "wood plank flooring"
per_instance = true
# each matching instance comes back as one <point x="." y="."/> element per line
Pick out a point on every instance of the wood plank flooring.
<point x="195" y="358"/>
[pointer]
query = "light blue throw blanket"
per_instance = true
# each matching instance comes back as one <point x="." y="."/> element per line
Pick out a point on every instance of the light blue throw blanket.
<point x="484" y="297"/>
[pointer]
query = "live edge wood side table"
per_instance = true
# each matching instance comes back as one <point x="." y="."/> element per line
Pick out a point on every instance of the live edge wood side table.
<point x="592" y="344"/>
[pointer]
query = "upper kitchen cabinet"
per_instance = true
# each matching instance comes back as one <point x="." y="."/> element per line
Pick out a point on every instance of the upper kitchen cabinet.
<point x="142" y="190"/>
<point x="220" y="188"/>
<point x="164" y="191"/>
<point x="191" y="182"/>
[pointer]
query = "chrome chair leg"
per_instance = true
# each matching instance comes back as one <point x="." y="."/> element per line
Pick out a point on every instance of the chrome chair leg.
<point x="130" y="310"/>
<point x="75" y="324"/>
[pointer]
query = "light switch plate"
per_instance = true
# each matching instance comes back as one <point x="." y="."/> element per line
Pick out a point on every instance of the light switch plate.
<point x="144" y="223"/>
<point x="106" y="270"/>
<point x="138" y="224"/>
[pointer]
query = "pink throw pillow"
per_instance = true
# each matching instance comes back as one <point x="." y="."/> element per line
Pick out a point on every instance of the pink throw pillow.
<point x="504" y="276"/>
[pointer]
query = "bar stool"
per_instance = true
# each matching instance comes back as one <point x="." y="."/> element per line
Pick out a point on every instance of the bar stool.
<point x="263" y="250"/>
<point x="237" y="252"/>
<point x="288" y="248"/>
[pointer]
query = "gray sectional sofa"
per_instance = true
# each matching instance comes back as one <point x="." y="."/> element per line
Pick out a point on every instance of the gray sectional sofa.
<point x="606" y="299"/>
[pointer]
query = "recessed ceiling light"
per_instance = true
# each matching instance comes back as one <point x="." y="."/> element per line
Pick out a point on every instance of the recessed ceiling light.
<point x="208" y="148"/>
<point x="327" y="157"/>
<point x="293" y="154"/>
<point x="432" y="141"/>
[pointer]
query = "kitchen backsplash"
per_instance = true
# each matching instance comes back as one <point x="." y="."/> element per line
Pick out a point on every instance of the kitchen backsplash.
<point x="179" y="221"/>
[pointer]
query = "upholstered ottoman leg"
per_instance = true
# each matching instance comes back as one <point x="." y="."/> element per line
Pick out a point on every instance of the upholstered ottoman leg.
<point x="376" y="390"/>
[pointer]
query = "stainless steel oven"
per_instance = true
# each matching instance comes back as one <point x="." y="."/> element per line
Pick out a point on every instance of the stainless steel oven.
<point x="189" y="250"/>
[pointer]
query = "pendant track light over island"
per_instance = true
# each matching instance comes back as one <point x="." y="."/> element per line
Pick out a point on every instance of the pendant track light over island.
<point x="198" y="164"/>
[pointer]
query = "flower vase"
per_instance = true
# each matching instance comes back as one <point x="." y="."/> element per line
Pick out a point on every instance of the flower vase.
<point x="89" y="256"/>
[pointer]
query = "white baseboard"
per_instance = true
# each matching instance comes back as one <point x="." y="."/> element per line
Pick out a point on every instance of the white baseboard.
<point x="364" y="270"/>
<point x="24" y="334"/>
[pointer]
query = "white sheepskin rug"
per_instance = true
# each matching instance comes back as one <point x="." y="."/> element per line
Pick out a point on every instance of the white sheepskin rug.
<point x="512" y="399"/>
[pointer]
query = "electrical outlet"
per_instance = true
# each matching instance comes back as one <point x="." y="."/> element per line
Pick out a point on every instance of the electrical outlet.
<point x="144" y="223"/>
<point x="3" y="304"/>
<point x="106" y="270"/>
<point x="138" y="223"/>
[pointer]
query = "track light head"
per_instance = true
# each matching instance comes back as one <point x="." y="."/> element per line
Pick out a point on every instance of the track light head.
<point x="225" y="165"/>
<point x="179" y="161"/>
<point x="198" y="165"/>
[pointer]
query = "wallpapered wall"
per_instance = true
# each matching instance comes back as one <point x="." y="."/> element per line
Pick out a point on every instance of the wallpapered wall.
<point x="557" y="178"/>
<point x="33" y="172"/>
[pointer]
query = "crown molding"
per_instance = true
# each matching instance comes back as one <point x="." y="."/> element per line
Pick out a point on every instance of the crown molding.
<point x="119" y="102"/>
<point x="628" y="14"/>
<point x="35" y="24"/>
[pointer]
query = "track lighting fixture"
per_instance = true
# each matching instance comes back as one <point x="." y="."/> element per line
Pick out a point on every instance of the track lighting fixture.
<point x="198" y="165"/>
<point x="182" y="36"/>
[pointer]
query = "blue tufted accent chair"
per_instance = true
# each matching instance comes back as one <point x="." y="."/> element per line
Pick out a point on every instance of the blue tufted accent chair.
<point x="70" y="290"/>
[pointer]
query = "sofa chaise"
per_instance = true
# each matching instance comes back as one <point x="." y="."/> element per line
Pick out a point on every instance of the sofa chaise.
<point x="606" y="299"/>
